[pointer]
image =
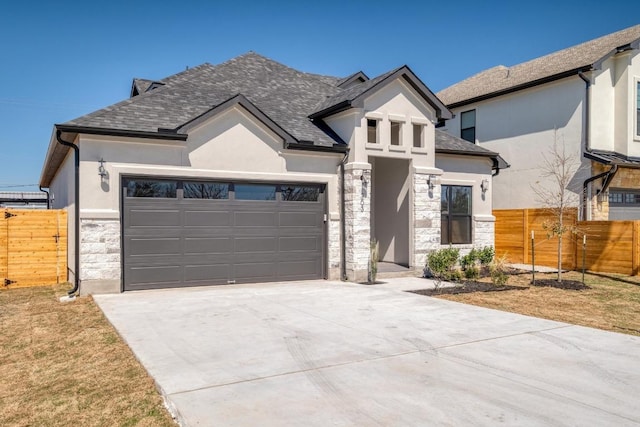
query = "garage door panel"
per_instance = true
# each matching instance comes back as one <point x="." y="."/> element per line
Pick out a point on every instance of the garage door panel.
<point x="155" y="274"/>
<point x="298" y="244"/>
<point x="255" y="271"/>
<point x="298" y="219"/>
<point x="208" y="245"/>
<point x="216" y="273"/>
<point x="153" y="246"/>
<point x="207" y="218"/>
<point x="255" y="244"/>
<point x="154" y="218"/>
<point x="255" y="219"/>
<point x="299" y="269"/>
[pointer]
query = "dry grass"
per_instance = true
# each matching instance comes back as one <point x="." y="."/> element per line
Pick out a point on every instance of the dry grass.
<point x="611" y="303"/>
<point x="64" y="365"/>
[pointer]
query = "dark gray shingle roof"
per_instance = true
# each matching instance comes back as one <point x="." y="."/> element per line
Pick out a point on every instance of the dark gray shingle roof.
<point x="449" y="144"/>
<point x="500" y="78"/>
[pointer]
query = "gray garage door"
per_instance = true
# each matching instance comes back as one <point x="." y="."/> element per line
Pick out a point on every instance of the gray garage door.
<point x="189" y="233"/>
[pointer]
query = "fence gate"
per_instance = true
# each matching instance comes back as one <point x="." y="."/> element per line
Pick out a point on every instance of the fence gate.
<point x="33" y="247"/>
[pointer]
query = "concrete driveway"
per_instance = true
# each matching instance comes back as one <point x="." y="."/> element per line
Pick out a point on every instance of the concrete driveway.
<point x="322" y="353"/>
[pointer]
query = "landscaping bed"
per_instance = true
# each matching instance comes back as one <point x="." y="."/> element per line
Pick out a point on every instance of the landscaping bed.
<point x="467" y="287"/>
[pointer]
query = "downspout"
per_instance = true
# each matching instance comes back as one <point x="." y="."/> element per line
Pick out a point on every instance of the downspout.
<point x="76" y="284"/>
<point x="587" y="145"/>
<point x="343" y="225"/>
<point x="47" y="193"/>
<point x="496" y="165"/>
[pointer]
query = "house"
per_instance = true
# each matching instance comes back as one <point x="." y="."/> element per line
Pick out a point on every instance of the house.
<point x="23" y="199"/>
<point x="251" y="171"/>
<point x="586" y="97"/>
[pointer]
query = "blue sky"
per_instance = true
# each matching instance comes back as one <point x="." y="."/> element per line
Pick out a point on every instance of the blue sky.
<point x="63" y="59"/>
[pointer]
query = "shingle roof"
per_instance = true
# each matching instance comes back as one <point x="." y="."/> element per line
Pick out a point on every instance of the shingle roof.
<point x="285" y="95"/>
<point x="449" y="144"/>
<point x="613" y="158"/>
<point x="496" y="80"/>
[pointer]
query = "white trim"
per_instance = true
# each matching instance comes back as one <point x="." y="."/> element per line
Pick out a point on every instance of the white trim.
<point x="357" y="166"/>
<point x="484" y="218"/>
<point x="421" y="170"/>
<point x="636" y="130"/>
<point x="419" y="150"/>
<point x="397" y="118"/>
<point x="397" y="148"/>
<point x="374" y="115"/>
<point x="371" y="146"/>
<point x="420" y="121"/>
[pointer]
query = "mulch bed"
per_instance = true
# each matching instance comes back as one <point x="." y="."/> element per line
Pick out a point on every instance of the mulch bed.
<point x="565" y="284"/>
<point x="468" y="287"/>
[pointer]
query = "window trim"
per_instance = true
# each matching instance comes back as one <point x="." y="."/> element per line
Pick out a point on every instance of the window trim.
<point x="636" y="110"/>
<point x="399" y="124"/>
<point x="475" y="117"/>
<point x="450" y="215"/>
<point x="377" y="130"/>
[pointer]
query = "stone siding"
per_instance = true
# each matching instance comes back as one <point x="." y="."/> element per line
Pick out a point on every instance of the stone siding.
<point x="426" y="217"/>
<point x="484" y="233"/>
<point x="334" y="249"/>
<point x="100" y="249"/>
<point x="358" y="221"/>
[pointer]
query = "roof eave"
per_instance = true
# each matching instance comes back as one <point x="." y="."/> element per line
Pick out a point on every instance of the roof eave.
<point x="335" y="148"/>
<point x="520" y="87"/>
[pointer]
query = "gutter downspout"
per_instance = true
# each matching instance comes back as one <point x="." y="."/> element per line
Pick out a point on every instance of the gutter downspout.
<point x="343" y="225"/>
<point x="47" y="193"/>
<point x="587" y="145"/>
<point x="496" y="165"/>
<point x="76" y="284"/>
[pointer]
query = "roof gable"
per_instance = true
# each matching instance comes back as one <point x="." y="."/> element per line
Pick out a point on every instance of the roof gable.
<point x="355" y="95"/>
<point x="501" y="79"/>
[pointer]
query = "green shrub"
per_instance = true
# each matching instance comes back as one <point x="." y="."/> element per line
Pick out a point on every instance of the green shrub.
<point x="472" y="272"/>
<point x="485" y="255"/>
<point x="442" y="265"/>
<point x="470" y="259"/>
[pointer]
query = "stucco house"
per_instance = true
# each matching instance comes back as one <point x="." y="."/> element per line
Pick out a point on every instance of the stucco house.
<point x="251" y="171"/>
<point x="586" y="97"/>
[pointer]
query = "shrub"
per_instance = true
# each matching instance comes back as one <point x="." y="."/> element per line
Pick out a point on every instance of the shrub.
<point x="485" y="255"/>
<point x="471" y="272"/>
<point x="498" y="271"/>
<point x="442" y="264"/>
<point x="470" y="259"/>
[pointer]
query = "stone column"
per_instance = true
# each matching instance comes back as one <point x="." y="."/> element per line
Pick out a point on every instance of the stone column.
<point x="100" y="269"/>
<point x="357" y="188"/>
<point x="426" y="214"/>
<point x="484" y="231"/>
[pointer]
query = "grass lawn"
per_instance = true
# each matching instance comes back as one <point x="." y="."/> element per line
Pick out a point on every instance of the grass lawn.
<point x="611" y="303"/>
<point x="65" y="365"/>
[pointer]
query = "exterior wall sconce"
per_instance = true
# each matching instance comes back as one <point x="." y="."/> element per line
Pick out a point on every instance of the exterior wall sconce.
<point x="484" y="185"/>
<point x="101" y="170"/>
<point x="431" y="181"/>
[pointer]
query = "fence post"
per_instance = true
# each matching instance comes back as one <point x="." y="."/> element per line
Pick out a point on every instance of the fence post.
<point x="525" y="234"/>
<point x="635" y="253"/>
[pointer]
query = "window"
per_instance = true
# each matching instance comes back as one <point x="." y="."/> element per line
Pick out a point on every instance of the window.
<point x="372" y="131"/>
<point x="456" y="215"/>
<point x="205" y="190"/>
<point x="468" y="126"/>
<point x="255" y="192"/>
<point x="153" y="188"/>
<point x="624" y="197"/>
<point x="417" y="135"/>
<point x="299" y="193"/>
<point x="396" y="133"/>
<point x="638" y="108"/>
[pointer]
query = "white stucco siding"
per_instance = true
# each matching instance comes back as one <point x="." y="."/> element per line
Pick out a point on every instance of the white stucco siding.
<point x="521" y="127"/>
<point x="602" y="108"/>
<point x="61" y="190"/>
<point x="398" y="102"/>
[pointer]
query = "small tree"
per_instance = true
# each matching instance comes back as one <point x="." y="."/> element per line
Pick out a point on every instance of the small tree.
<point x="559" y="166"/>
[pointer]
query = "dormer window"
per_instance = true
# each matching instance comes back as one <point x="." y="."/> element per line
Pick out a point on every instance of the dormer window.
<point x="372" y="131"/>
<point x="396" y="133"/>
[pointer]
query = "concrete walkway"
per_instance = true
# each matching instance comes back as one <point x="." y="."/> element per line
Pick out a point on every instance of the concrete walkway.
<point x="322" y="353"/>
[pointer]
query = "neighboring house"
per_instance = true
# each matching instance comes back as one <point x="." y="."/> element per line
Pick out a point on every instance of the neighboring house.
<point x="233" y="173"/>
<point x="23" y="199"/>
<point x="586" y="97"/>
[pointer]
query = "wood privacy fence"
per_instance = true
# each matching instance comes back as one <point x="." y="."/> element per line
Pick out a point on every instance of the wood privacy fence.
<point x="612" y="246"/>
<point x="33" y="247"/>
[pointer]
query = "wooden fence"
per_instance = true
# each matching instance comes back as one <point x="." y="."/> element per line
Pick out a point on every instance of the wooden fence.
<point x="612" y="246"/>
<point x="33" y="247"/>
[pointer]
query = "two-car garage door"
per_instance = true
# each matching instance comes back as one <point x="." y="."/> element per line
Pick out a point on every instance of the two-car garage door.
<point x="188" y="232"/>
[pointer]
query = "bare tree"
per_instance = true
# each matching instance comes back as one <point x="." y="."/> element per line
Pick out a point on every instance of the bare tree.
<point x="559" y="167"/>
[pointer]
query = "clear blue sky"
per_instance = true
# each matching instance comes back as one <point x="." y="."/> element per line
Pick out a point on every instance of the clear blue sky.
<point x="63" y="59"/>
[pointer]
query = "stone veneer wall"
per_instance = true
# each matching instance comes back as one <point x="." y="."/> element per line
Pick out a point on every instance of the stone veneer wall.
<point x="357" y="196"/>
<point x="426" y="219"/>
<point x="334" y="249"/>
<point x="484" y="232"/>
<point x="100" y="268"/>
